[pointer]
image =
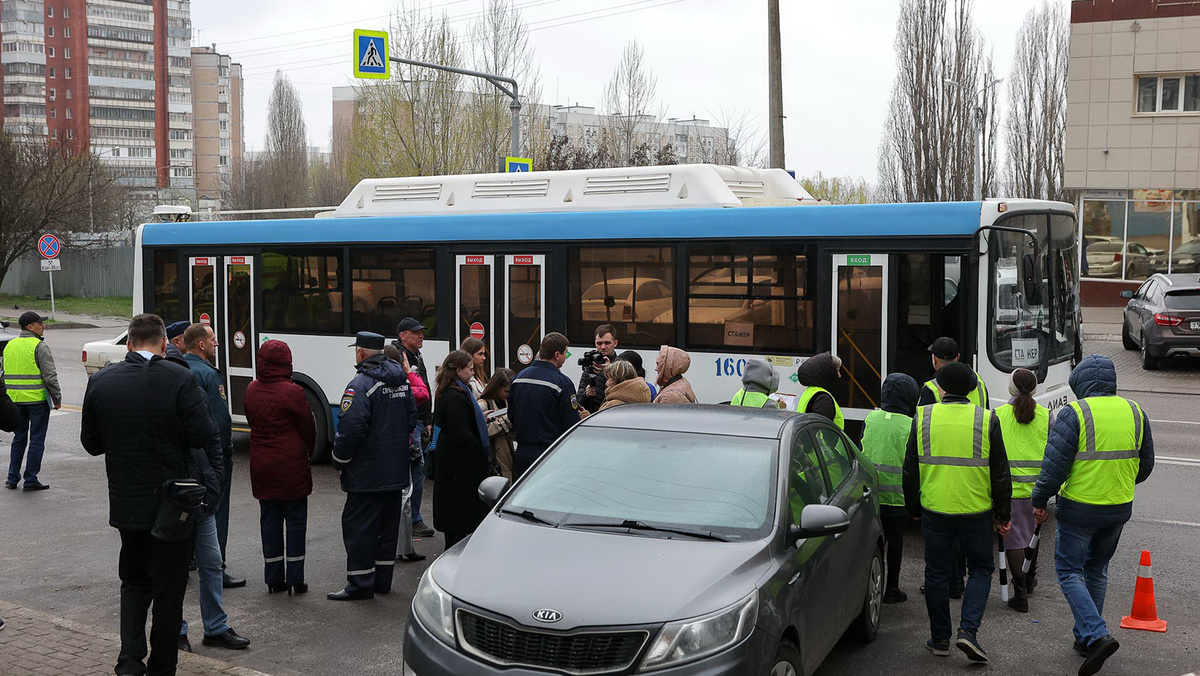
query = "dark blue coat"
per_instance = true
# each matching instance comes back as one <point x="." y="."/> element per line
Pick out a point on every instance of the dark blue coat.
<point x="1094" y="377"/>
<point x="213" y="385"/>
<point x="541" y="405"/>
<point x="377" y="418"/>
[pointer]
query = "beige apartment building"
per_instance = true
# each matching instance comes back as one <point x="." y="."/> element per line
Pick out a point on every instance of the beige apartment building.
<point x="1133" y="140"/>
<point x="217" y="121"/>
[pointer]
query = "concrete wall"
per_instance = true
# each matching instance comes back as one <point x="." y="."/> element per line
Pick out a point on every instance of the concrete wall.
<point x="88" y="273"/>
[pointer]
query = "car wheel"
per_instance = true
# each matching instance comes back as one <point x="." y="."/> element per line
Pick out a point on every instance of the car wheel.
<point x="320" y="411"/>
<point x="1149" y="363"/>
<point x="786" y="662"/>
<point x="866" y="626"/>
<point x="1126" y="339"/>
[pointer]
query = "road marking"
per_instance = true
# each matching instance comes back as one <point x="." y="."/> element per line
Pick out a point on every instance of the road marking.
<point x="1170" y="523"/>
<point x="1177" y="422"/>
<point x="1168" y="460"/>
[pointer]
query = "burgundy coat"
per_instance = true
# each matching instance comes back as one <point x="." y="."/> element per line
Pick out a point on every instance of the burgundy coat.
<point x="282" y="432"/>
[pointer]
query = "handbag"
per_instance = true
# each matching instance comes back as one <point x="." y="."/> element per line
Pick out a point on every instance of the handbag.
<point x="182" y="500"/>
<point x="430" y="456"/>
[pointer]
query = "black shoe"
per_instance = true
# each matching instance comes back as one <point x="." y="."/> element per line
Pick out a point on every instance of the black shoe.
<point x="956" y="593"/>
<point x="300" y="587"/>
<point x="894" y="595"/>
<point x="230" y="582"/>
<point x="9" y="484"/>
<point x="185" y="646"/>
<point x="192" y="565"/>
<point x="36" y="486"/>
<point x="1020" y="600"/>
<point x="227" y="639"/>
<point x="344" y="595"/>
<point x="939" y="647"/>
<point x="411" y="557"/>
<point x="278" y="587"/>
<point x="1080" y="648"/>
<point x="421" y="530"/>
<point x="1099" y="651"/>
<point x="970" y="645"/>
<point x="1" y="624"/>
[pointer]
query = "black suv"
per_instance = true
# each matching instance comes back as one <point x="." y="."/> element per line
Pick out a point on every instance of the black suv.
<point x="1162" y="318"/>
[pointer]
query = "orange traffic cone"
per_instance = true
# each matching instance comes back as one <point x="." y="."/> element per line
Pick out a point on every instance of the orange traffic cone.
<point x="1144" y="615"/>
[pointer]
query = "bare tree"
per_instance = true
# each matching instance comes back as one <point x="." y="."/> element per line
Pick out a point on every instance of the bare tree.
<point x="837" y="189"/>
<point x="1037" y="90"/>
<point x="501" y="46"/>
<point x="928" y="148"/>
<point x="629" y="101"/>
<point x="743" y="144"/>
<point x="287" y="147"/>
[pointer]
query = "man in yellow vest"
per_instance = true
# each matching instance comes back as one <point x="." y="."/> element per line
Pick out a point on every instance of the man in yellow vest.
<point x="956" y="480"/>
<point x="944" y="351"/>
<point x="819" y="374"/>
<point x="759" y="381"/>
<point x="1099" y="447"/>
<point x="32" y="383"/>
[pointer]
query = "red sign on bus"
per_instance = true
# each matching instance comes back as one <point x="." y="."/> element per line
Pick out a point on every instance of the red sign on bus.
<point x="474" y="260"/>
<point x="205" y="319"/>
<point x="237" y="260"/>
<point x="522" y="260"/>
<point x="202" y="261"/>
<point x="477" y="331"/>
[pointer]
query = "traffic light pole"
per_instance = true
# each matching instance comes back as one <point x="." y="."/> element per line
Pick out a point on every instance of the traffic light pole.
<point x="504" y="84"/>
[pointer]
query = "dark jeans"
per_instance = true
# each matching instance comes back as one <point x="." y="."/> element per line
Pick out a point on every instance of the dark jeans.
<point x="974" y="534"/>
<point x="370" y="530"/>
<point x="152" y="572"/>
<point x="417" y="472"/>
<point x="35" y="418"/>
<point x="223" y="509"/>
<point x="894" y="521"/>
<point x="274" y="518"/>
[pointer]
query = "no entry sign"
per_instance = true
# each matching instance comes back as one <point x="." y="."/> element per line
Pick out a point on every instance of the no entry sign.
<point x="477" y="331"/>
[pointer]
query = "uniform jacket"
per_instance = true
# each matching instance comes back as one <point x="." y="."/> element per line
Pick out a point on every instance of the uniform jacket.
<point x="142" y="452"/>
<point x="210" y="382"/>
<point x="820" y="371"/>
<point x="282" y="432"/>
<point x="672" y="364"/>
<point x="462" y="463"/>
<point x="541" y="405"/>
<point x="45" y="364"/>
<point x="374" y="427"/>
<point x="632" y="391"/>
<point x="1094" y="377"/>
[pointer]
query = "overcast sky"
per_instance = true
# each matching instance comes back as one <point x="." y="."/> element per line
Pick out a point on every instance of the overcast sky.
<point x="709" y="56"/>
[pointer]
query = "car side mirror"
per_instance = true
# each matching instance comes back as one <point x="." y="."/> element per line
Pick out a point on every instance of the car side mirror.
<point x="819" y="521"/>
<point x="491" y="489"/>
<point x="1127" y="293"/>
<point x="610" y="301"/>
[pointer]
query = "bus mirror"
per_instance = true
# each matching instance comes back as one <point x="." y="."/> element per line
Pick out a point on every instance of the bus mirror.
<point x="1030" y="286"/>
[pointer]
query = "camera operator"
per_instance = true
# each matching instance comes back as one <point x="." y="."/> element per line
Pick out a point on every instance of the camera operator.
<point x="591" y="383"/>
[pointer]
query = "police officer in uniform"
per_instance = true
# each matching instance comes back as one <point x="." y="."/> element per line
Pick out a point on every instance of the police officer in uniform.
<point x="1099" y="448"/>
<point x="541" y="403"/>
<point x="945" y="351"/>
<point x="370" y="452"/>
<point x="956" y="480"/>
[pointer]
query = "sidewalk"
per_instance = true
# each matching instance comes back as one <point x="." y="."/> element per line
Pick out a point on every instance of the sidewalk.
<point x="1102" y="323"/>
<point x="39" y="644"/>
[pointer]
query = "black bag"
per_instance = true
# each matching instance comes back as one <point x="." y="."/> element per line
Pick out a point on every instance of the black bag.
<point x="182" y="500"/>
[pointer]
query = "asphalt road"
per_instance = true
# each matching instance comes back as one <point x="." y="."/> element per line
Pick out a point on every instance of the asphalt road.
<point x="59" y="556"/>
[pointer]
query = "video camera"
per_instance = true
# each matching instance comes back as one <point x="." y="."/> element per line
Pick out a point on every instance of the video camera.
<point x="590" y="359"/>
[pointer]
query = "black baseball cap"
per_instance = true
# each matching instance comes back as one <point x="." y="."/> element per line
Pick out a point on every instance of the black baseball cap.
<point x="176" y="329"/>
<point x="30" y="317"/>
<point x="409" y="324"/>
<point x="368" y="341"/>
<point x="956" y="378"/>
<point x="944" y="348"/>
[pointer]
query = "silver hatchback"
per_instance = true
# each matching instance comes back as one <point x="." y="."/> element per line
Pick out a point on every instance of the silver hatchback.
<point x="1162" y="318"/>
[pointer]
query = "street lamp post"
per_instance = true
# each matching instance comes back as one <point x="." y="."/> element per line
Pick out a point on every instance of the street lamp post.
<point x="978" y="121"/>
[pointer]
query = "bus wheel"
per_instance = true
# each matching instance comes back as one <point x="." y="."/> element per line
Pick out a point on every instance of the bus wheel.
<point x="320" y="412"/>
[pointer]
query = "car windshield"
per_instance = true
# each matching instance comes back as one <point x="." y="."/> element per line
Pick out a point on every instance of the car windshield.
<point x="1184" y="300"/>
<point x="696" y="482"/>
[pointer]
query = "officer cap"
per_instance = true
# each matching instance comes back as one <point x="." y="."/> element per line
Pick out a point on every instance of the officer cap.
<point x="944" y="348"/>
<point x="956" y="378"/>
<point x="30" y="317"/>
<point x="409" y="324"/>
<point x="176" y="329"/>
<point x="368" y="340"/>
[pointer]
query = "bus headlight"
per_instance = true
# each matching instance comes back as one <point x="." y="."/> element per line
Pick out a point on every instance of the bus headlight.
<point x="689" y="640"/>
<point x="434" y="608"/>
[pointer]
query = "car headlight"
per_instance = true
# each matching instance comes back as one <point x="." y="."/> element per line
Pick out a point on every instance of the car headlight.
<point x="689" y="640"/>
<point x="434" y="608"/>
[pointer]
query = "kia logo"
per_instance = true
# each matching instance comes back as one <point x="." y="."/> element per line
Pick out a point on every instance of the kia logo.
<point x="547" y="615"/>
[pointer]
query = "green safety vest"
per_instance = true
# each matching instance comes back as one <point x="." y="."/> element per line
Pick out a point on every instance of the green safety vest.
<point x="952" y="451"/>
<point x="1106" y="464"/>
<point x="22" y="377"/>
<point x="809" y="393"/>
<point x="1025" y="445"/>
<point x="753" y="400"/>
<point x="884" y="441"/>
<point x="977" y="396"/>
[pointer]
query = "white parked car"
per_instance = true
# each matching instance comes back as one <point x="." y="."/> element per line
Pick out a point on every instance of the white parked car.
<point x="100" y="353"/>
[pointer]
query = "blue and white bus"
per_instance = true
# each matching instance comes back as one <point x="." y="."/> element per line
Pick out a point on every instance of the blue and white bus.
<point x="729" y="264"/>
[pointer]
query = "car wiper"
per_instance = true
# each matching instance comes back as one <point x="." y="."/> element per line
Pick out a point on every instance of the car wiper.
<point x="633" y="524"/>
<point x="529" y="516"/>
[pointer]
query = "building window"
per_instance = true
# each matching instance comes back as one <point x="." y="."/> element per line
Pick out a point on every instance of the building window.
<point x="1131" y="239"/>
<point x="53" y="113"/>
<point x="49" y="31"/>
<point x="49" y="11"/>
<point x="52" y="72"/>
<point x="66" y="52"/>
<point x="1168" y="93"/>
<point x="67" y="73"/>
<point x="68" y="94"/>
<point x="53" y="94"/>
<point x="54" y="134"/>
<point x="302" y="291"/>
<point x="66" y="31"/>
<point x="70" y="134"/>
<point x="69" y="115"/>
<point x="66" y="12"/>
<point x="50" y="52"/>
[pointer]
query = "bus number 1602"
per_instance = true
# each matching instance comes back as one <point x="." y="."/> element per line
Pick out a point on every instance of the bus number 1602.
<point x="730" y="366"/>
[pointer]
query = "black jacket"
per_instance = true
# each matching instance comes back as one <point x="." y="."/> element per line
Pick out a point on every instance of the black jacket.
<point x="143" y="417"/>
<point x="378" y="415"/>
<point x="10" y="416"/>
<point x="1001" y="480"/>
<point x="819" y="371"/>
<point x="592" y="404"/>
<point x="461" y="464"/>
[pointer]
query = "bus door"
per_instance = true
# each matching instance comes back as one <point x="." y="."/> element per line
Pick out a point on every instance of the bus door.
<point x="202" y="278"/>
<point x="501" y="301"/>
<point x="860" y="329"/>
<point x="237" y="342"/>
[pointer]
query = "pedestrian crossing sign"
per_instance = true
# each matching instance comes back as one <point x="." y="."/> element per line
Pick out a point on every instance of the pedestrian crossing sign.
<point x="515" y="164"/>
<point x="371" y="54"/>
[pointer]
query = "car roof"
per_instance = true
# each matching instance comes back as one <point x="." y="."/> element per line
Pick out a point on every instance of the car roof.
<point x="735" y="421"/>
<point x="1180" y="280"/>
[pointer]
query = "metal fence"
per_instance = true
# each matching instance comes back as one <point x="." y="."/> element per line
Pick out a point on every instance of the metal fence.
<point x="85" y="273"/>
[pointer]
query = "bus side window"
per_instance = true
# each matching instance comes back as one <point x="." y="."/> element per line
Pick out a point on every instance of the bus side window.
<point x="302" y="291"/>
<point x="389" y="284"/>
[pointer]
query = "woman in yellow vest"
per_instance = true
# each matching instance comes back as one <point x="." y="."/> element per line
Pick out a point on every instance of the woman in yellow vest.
<point x="759" y="381"/>
<point x="885" y="437"/>
<point x="819" y="375"/>
<point x="1026" y="427"/>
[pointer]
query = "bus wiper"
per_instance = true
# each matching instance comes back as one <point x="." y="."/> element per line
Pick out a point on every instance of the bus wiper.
<point x="633" y="524"/>
<point x="529" y="516"/>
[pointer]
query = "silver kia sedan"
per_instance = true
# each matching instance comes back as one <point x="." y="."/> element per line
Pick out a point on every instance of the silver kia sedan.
<point x="663" y="539"/>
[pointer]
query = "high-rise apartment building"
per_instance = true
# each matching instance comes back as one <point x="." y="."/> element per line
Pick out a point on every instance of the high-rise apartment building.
<point x="216" y="122"/>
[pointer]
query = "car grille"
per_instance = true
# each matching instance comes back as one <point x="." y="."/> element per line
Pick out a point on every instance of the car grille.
<point x="591" y="652"/>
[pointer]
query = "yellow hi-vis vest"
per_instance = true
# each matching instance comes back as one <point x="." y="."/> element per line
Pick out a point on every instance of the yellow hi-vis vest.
<point x="810" y="392"/>
<point x="752" y="400"/>
<point x="1025" y="445"/>
<point x="1106" y="464"/>
<point x="977" y="396"/>
<point x="884" y="441"/>
<point x="952" y="451"/>
<point x="22" y="377"/>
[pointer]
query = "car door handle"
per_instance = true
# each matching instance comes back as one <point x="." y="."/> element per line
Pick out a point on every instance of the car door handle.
<point x="795" y="578"/>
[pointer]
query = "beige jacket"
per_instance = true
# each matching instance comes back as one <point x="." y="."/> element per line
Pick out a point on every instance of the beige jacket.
<point x="632" y="391"/>
<point x="673" y="362"/>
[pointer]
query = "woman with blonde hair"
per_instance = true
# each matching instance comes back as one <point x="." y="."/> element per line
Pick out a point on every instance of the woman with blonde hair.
<point x="623" y="385"/>
<point x="479" y="355"/>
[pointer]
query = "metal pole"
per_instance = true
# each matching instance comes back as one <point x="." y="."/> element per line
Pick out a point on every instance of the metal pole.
<point x="51" y="273"/>
<point x="515" y="107"/>
<point x="774" y="85"/>
<point x="978" y="153"/>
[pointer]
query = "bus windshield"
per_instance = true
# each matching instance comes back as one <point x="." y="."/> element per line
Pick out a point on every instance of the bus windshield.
<point x="1025" y="326"/>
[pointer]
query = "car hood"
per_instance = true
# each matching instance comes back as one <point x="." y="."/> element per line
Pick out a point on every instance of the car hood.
<point x="596" y="578"/>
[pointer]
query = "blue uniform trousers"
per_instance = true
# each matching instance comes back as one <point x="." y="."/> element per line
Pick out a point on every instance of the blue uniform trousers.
<point x="370" y="530"/>
<point x="275" y="518"/>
